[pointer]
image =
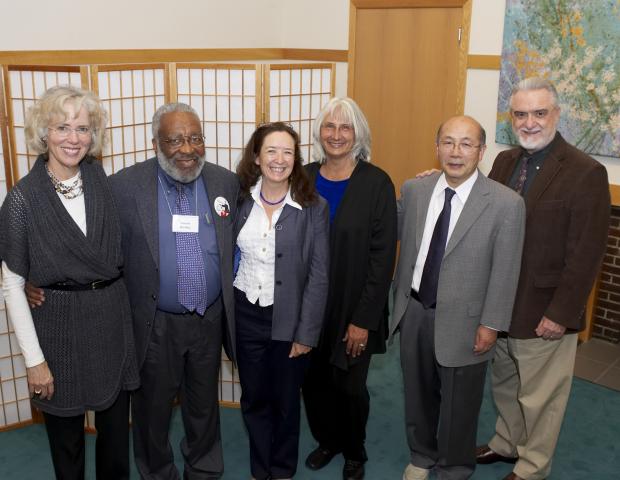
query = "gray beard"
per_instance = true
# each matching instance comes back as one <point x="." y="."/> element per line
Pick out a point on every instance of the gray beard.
<point x="168" y="166"/>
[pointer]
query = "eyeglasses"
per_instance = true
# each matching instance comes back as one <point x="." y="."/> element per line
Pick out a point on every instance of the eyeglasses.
<point x="178" y="142"/>
<point x="63" y="131"/>
<point x="537" y="114"/>
<point x="331" y="128"/>
<point x="465" y="147"/>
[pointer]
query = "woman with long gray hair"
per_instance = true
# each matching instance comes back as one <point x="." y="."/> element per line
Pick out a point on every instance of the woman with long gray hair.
<point x="362" y="208"/>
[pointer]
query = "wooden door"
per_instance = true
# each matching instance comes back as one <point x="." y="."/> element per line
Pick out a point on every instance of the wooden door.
<point x="406" y="70"/>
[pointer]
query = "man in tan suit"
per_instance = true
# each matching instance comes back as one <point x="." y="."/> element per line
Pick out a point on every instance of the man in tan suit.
<point x="566" y="195"/>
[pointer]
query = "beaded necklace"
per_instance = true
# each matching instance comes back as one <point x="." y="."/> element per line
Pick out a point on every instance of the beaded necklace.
<point x="68" y="191"/>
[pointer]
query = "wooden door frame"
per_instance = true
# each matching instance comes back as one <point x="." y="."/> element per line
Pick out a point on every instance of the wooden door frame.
<point x="465" y="5"/>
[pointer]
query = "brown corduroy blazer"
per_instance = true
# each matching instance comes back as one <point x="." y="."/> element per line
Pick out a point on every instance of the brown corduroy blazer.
<point x="567" y="222"/>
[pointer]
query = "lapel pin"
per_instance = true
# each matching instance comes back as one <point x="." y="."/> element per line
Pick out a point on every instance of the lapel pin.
<point x="221" y="206"/>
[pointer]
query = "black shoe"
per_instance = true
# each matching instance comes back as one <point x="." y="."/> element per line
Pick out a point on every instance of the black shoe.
<point x="319" y="457"/>
<point x="353" y="470"/>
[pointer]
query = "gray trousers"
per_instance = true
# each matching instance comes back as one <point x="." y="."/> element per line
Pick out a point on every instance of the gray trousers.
<point x="441" y="403"/>
<point x="183" y="357"/>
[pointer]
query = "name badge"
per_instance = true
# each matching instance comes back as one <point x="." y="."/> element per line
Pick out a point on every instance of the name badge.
<point x="185" y="223"/>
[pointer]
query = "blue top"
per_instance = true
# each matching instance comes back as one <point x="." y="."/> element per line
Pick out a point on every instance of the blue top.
<point x="166" y="202"/>
<point x="332" y="191"/>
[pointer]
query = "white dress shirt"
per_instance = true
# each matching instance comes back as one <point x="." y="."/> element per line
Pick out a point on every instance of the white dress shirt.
<point x="15" y="297"/>
<point x="434" y="209"/>
<point x="257" y="242"/>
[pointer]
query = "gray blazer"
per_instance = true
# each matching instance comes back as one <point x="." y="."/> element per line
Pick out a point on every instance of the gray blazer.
<point x="480" y="269"/>
<point x="135" y="190"/>
<point x="301" y="270"/>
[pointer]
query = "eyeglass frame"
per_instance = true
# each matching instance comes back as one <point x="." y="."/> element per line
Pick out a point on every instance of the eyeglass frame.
<point x="192" y="140"/>
<point x="81" y="132"/>
<point x="464" y="147"/>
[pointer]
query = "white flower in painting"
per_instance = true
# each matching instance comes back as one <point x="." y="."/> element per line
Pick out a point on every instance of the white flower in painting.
<point x="608" y="75"/>
<point x="601" y="90"/>
<point x="590" y="87"/>
<point x="614" y="122"/>
<point x="555" y="51"/>
<point x="562" y="87"/>
<point x="589" y="56"/>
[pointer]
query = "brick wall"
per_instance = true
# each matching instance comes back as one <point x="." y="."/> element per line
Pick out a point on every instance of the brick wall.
<point x="607" y="313"/>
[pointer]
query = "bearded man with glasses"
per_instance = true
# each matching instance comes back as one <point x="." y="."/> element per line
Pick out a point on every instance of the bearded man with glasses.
<point x="178" y="250"/>
<point x="567" y="200"/>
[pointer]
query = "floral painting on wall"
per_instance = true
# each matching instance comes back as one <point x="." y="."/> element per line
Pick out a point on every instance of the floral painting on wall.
<point x="575" y="44"/>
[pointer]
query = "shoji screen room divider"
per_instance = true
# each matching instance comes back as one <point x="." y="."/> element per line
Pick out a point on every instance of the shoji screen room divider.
<point x="230" y="99"/>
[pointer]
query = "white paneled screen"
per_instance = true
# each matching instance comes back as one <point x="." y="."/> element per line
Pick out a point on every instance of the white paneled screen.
<point x="131" y="94"/>
<point x="297" y="93"/>
<point x="226" y="98"/>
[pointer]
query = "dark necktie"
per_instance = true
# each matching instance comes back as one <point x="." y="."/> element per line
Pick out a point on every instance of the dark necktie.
<point x="191" y="281"/>
<point x="430" y="275"/>
<point x="522" y="176"/>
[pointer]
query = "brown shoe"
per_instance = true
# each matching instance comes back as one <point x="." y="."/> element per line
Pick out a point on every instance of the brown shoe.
<point x="485" y="456"/>
<point x="513" y="476"/>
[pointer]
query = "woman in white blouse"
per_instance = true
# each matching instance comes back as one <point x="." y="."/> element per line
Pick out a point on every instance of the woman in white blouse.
<point x="280" y="293"/>
<point x="59" y="229"/>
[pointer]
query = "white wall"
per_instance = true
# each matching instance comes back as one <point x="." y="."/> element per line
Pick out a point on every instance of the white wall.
<point x="315" y="24"/>
<point x="138" y="24"/>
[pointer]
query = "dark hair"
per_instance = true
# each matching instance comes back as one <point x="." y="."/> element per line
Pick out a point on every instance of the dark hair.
<point x="302" y="189"/>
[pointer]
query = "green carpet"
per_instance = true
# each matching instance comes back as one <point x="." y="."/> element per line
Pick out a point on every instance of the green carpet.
<point x="589" y="446"/>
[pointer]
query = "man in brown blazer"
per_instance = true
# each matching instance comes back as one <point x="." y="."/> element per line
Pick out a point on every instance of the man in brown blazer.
<point x="566" y="195"/>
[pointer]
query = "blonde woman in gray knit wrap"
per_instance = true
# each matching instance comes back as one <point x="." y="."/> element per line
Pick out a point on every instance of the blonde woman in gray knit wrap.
<point x="59" y="230"/>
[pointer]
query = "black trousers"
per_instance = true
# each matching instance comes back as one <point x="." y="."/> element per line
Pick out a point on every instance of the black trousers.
<point x="183" y="357"/>
<point x="270" y="399"/>
<point x="66" y="439"/>
<point x="337" y="405"/>
<point x="441" y="403"/>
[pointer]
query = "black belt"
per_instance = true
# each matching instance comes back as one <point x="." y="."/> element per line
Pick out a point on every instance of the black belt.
<point x="76" y="287"/>
<point x="415" y="295"/>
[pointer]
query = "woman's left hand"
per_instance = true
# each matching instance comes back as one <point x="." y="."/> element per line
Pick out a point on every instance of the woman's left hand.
<point x="298" y="349"/>
<point x="40" y="381"/>
<point x="357" y="339"/>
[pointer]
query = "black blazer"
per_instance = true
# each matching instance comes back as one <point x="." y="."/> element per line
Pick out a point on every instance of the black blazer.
<point x="135" y="190"/>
